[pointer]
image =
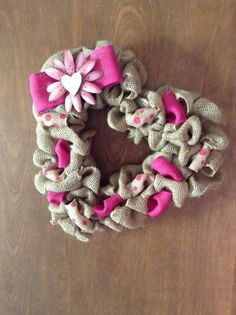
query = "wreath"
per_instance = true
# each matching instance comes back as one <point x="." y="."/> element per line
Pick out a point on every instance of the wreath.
<point x="181" y="128"/>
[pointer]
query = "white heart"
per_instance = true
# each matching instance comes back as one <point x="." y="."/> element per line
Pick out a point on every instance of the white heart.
<point x="72" y="83"/>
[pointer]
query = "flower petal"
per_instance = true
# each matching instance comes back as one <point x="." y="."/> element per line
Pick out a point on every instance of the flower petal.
<point x="69" y="62"/>
<point x="79" y="61"/>
<point x="77" y="102"/>
<point x="59" y="65"/>
<point x="68" y="103"/>
<point x="53" y="86"/>
<point x="56" y="93"/>
<point x="87" y="66"/>
<point x="94" y="75"/>
<point x="54" y="73"/>
<point x="88" y="97"/>
<point x="91" y="87"/>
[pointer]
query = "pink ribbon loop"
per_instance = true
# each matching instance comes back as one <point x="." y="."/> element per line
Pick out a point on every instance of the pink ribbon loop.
<point x="106" y="62"/>
<point x="175" y="113"/>
<point x="166" y="169"/>
<point x="62" y="150"/>
<point x="160" y="201"/>
<point x="103" y="211"/>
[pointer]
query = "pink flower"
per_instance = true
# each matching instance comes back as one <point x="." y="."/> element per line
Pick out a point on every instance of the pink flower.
<point x="74" y="78"/>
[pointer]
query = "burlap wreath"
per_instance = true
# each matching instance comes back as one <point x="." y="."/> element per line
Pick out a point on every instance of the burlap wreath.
<point x="127" y="101"/>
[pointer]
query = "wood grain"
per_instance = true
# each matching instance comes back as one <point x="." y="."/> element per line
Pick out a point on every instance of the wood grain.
<point x="183" y="263"/>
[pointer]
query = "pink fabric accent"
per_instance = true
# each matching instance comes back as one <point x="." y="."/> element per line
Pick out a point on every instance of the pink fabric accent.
<point x="103" y="211"/>
<point x="62" y="150"/>
<point x="158" y="203"/>
<point x="106" y="62"/>
<point x="38" y="83"/>
<point x="167" y="169"/>
<point x="175" y="113"/>
<point x="56" y="197"/>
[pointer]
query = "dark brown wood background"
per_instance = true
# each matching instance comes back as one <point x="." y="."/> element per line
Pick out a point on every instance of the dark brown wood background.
<point x="183" y="263"/>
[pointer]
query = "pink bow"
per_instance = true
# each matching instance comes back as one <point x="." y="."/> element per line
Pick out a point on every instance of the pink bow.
<point x="106" y="63"/>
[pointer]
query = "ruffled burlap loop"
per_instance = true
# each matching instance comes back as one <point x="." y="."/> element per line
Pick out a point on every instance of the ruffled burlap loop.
<point x="198" y="184"/>
<point x="134" y="77"/>
<point x="116" y="120"/>
<point x="91" y="178"/>
<point x="179" y="189"/>
<point x="120" y="182"/>
<point x="73" y="230"/>
<point x="138" y="203"/>
<point x="186" y="152"/>
<point x="71" y="182"/>
<point x="214" y="136"/>
<point x="189" y="132"/>
<point x="128" y="218"/>
<point x="41" y="158"/>
<point x="85" y="197"/>
<point x="207" y="109"/>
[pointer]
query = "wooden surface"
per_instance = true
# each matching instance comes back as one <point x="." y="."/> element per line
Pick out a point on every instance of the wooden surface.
<point x="183" y="263"/>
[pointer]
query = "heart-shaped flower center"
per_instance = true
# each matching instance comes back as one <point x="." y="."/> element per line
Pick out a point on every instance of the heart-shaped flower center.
<point x="72" y="83"/>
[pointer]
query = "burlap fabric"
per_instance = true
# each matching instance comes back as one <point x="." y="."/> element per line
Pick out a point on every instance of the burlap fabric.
<point x="178" y="143"/>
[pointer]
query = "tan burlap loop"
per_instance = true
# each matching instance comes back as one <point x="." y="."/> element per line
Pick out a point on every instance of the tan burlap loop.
<point x="134" y="77"/>
<point x="69" y="227"/>
<point x="90" y="178"/>
<point x="214" y="136"/>
<point x="41" y="158"/>
<point x="71" y="182"/>
<point x="119" y="182"/>
<point x="128" y="218"/>
<point x="198" y="184"/>
<point x="116" y="120"/>
<point x="213" y="163"/>
<point x="189" y="132"/>
<point x="111" y="224"/>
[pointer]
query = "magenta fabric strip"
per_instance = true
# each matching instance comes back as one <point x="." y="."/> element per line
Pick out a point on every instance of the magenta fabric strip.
<point x="38" y="83"/>
<point x="103" y="211"/>
<point x="106" y="62"/>
<point x="158" y="203"/>
<point x="166" y="169"/>
<point x="62" y="150"/>
<point x="174" y="111"/>
<point x="56" y="197"/>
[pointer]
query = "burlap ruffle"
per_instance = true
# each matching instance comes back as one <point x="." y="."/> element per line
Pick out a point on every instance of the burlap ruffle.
<point x="81" y="178"/>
